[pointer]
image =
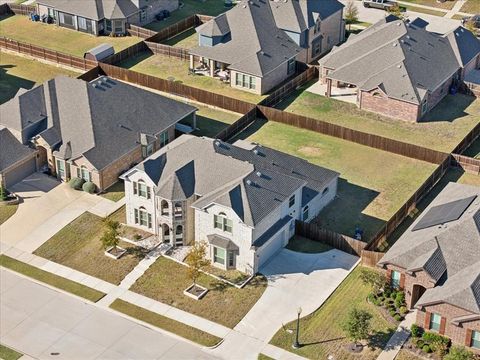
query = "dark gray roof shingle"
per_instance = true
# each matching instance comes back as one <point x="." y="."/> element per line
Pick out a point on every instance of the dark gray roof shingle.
<point x="94" y="9"/>
<point x="11" y="149"/>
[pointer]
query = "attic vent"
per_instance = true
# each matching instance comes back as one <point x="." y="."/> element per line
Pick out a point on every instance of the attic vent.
<point x="95" y="86"/>
<point x="408" y="37"/>
<point x="399" y="66"/>
<point x="217" y="143"/>
<point x="457" y="34"/>
<point x="259" y="174"/>
<point x="255" y="152"/>
<point x="249" y="182"/>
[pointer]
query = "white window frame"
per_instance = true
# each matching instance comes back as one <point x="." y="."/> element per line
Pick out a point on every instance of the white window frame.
<point x="395" y="279"/>
<point x="223" y="223"/>
<point x="61" y="168"/>
<point x="216" y="256"/>
<point x="475" y="340"/>
<point x="434" y="325"/>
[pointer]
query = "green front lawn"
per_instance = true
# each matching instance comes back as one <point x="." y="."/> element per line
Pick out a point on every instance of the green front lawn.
<point x="264" y="357"/>
<point x="304" y="245"/>
<point x="190" y="7"/>
<point x="78" y="246"/>
<point x="423" y="10"/>
<point x="172" y="68"/>
<point x="166" y="280"/>
<point x="6" y="211"/>
<point x="442" y="129"/>
<point x="373" y="184"/>
<point x="18" y="72"/>
<point x="51" y="279"/>
<point x="471" y="7"/>
<point x="9" y="354"/>
<point x="114" y="192"/>
<point x="321" y="332"/>
<point x="57" y="38"/>
<point x="165" y="323"/>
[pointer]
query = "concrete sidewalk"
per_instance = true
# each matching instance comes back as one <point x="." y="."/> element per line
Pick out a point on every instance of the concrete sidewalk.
<point x="398" y="338"/>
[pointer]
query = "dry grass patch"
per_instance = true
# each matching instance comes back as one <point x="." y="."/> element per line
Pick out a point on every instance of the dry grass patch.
<point x="166" y="280"/>
<point x="6" y="211"/>
<point x="471" y="7"/>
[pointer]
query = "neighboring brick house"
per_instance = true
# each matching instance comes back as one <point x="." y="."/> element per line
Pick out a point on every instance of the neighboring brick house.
<point x="241" y="199"/>
<point x="437" y="263"/>
<point x="399" y="69"/>
<point x="103" y="17"/>
<point x="256" y="44"/>
<point x="93" y="131"/>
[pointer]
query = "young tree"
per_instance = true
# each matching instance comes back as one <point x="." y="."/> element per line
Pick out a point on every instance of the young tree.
<point x="3" y="193"/>
<point x="196" y="259"/>
<point x="396" y="10"/>
<point x="459" y="353"/>
<point x="357" y="325"/>
<point x="111" y="234"/>
<point x="351" y="13"/>
<point x="375" y="279"/>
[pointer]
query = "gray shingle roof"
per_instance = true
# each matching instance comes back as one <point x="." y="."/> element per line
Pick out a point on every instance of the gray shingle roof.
<point x="101" y="51"/>
<point x="251" y="182"/>
<point x="94" y="9"/>
<point x="404" y="60"/>
<point x="217" y="27"/>
<point x="449" y="253"/>
<point x="12" y="150"/>
<point x="255" y="46"/>
<point x="465" y="45"/>
<point x="100" y="122"/>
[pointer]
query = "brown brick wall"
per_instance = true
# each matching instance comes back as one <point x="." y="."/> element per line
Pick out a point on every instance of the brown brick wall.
<point x="384" y="105"/>
<point x="435" y="97"/>
<point x="459" y="334"/>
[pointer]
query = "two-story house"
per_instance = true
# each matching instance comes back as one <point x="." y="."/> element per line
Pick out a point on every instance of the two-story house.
<point x="103" y="17"/>
<point x="241" y="199"/>
<point x="437" y="263"/>
<point x="256" y="44"/>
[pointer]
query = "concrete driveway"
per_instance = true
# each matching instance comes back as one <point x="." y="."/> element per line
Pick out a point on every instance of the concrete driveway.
<point x="294" y="280"/>
<point x="47" y="206"/>
<point x="46" y="324"/>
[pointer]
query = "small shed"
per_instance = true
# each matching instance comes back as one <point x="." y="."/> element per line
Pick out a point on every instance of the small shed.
<point x="99" y="52"/>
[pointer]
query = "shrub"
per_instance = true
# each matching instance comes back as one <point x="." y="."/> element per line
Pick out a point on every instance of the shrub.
<point x="438" y="343"/>
<point x="89" y="187"/>
<point x="398" y="317"/>
<point x="392" y="312"/>
<point x="76" y="183"/>
<point x="426" y="349"/>
<point x="419" y="343"/>
<point x="415" y="330"/>
<point x="3" y="193"/>
<point x="393" y="295"/>
<point x="403" y="310"/>
<point x="137" y="237"/>
<point x="399" y="299"/>
<point x="459" y="353"/>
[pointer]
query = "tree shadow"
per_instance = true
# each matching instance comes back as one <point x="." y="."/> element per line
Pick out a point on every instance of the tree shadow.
<point x="302" y="344"/>
<point x="379" y="339"/>
<point x="11" y="84"/>
<point x="451" y="107"/>
<point x="137" y="252"/>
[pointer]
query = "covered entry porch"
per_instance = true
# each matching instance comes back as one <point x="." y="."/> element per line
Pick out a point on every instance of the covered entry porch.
<point x="200" y="65"/>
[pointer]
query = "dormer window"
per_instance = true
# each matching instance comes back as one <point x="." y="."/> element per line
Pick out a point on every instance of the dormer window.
<point x="223" y="223"/>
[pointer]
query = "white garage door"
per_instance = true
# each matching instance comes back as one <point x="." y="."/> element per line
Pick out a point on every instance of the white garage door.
<point x="20" y="172"/>
<point x="271" y="247"/>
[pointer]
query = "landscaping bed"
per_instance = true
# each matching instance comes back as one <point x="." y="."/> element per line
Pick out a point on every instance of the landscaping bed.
<point x="78" y="246"/>
<point x="166" y="280"/>
<point x="51" y="279"/>
<point x="373" y="184"/>
<point x="165" y="323"/>
<point x="174" y="69"/>
<point x="304" y="245"/>
<point x="442" y="129"/>
<point x="57" y="38"/>
<point x="18" y="72"/>
<point x="321" y="332"/>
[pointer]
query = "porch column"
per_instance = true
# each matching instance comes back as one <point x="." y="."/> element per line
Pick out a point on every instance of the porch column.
<point x="212" y="68"/>
<point x="192" y="65"/>
<point x="329" y="88"/>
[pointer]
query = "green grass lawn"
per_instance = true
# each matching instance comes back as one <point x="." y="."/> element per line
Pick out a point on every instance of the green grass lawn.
<point x="6" y="211"/>
<point x="373" y="184"/>
<point x="264" y="357"/>
<point x="168" y="67"/>
<point x="473" y="150"/>
<point x="471" y="7"/>
<point x="187" y="40"/>
<point x="78" y="246"/>
<point x="433" y="3"/>
<point x="442" y="130"/>
<point x="51" y="279"/>
<point x="57" y="38"/>
<point x="165" y="323"/>
<point x="17" y="72"/>
<point x="211" y="121"/>
<point x="114" y="192"/>
<point x="9" y="354"/>
<point x="191" y="7"/>
<point x="321" y="332"/>
<point x="304" y="245"/>
<point x="166" y="280"/>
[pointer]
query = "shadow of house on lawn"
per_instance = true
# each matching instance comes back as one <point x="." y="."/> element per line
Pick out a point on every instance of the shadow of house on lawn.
<point x="208" y="127"/>
<point x="11" y="84"/>
<point x="250" y="130"/>
<point x="451" y="108"/>
<point x="345" y="212"/>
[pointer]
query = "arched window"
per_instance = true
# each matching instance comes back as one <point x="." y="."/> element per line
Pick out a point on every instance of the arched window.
<point x="164" y="207"/>
<point x="222" y="222"/>
<point x="305" y="213"/>
<point x="178" y="210"/>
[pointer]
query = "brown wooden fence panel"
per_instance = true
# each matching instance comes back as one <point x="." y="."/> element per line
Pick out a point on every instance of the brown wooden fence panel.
<point x="238" y="126"/>
<point x="468" y="140"/>
<point x="140" y="32"/>
<point x="174" y="29"/>
<point x="338" y="241"/>
<point x="19" y="9"/>
<point x="126" y="53"/>
<point x="91" y="74"/>
<point x="468" y="164"/>
<point x="375" y="141"/>
<point x="371" y="258"/>
<point x="167" y="50"/>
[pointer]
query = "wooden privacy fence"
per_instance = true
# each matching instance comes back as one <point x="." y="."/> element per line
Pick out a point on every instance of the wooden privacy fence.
<point x="177" y="88"/>
<point x="409" y="205"/>
<point x="238" y="126"/>
<point x="162" y="49"/>
<point x="374" y="141"/>
<point x="468" y="164"/>
<point x="467" y="140"/>
<point x="140" y="32"/>
<point x="179" y="27"/>
<point x="126" y="53"/>
<point x="338" y="241"/>
<point x="282" y="92"/>
<point x="17" y="9"/>
<point x="371" y="258"/>
<point x="47" y="54"/>
<point x="91" y="74"/>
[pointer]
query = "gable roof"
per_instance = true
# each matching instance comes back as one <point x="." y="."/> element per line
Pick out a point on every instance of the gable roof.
<point x="94" y="9"/>
<point x="12" y="150"/>
<point x="465" y="45"/>
<point x="404" y="60"/>
<point x="445" y="251"/>
<point x="252" y="182"/>
<point x="101" y="120"/>
<point x="255" y="45"/>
